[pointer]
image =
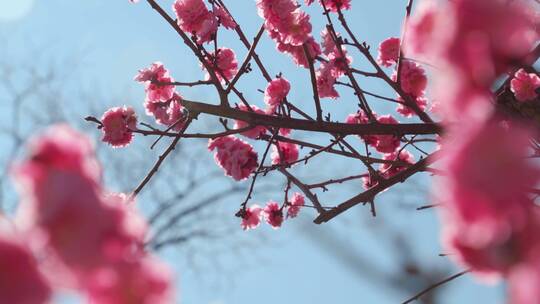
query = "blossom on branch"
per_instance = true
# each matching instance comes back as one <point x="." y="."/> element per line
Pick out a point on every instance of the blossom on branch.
<point x="525" y="85"/>
<point x="361" y="118"/>
<point x="388" y="170"/>
<point x="421" y="103"/>
<point x="389" y="51"/>
<point x="251" y="217"/>
<point x="387" y="143"/>
<point x="169" y="113"/>
<point x="158" y="82"/>
<point x="295" y="203"/>
<point x="224" y="17"/>
<point x="290" y="28"/>
<point x="333" y="5"/>
<point x="326" y="79"/>
<point x="413" y="79"/>
<point x="195" y="18"/>
<point x="286" y="154"/>
<point x="275" y="93"/>
<point x="273" y="214"/>
<point x="257" y="130"/>
<point x="224" y="64"/>
<point x="234" y="155"/>
<point x="472" y="42"/>
<point x="118" y="123"/>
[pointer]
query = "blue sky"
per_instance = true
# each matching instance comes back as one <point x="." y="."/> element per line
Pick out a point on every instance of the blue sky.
<point x="301" y="263"/>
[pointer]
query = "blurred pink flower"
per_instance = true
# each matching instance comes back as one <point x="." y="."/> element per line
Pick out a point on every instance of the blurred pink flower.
<point x="20" y="279"/>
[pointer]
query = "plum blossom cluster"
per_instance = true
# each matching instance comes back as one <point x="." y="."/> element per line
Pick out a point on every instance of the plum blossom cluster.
<point x="290" y="28"/>
<point x="162" y="102"/>
<point x="335" y="64"/>
<point x="490" y="219"/>
<point x="388" y="145"/>
<point x="412" y="78"/>
<point x="93" y="240"/>
<point x="273" y="214"/>
<point x="195" y="18"/>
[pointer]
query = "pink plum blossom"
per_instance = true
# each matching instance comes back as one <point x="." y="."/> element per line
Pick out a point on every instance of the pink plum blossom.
<point x="224" y="18"/>
<point x="257" y="130"/>
<point x="290" y="28"/>
<point x="525" y="85"/>
<point x="234" y="155"/>
<point x="326" y="80"/>
<point x="407" y="111"/>
<point x="118" y="123"/>
<point x="386" y="143"/>
<point x="382" y="143"/>
<point x="170" y="112"/>
<point x="251" y="218"/>
<point x="503" y="251"/>
<point x="195" y="18"/>
<point x="339" y="62"/>
<point x="275" y="93"/>
<point x="296" y="202"/>
<point x="328" y="44"/>
<point x="287" y="153"/>
<point x="389" y="51"/>
<point x="225" y="65"/>
<point x="286" y="20"/>
<point x="273" y="214"/>
<point x="285" y="132"/>
<point x="389" y="170"/>
<point x="413" y="78"/>
<point x="333" y="5"/>
<point x="361" y="118"/>
<point x="157" y="82"/>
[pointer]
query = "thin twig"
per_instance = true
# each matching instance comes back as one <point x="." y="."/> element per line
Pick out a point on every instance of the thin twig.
<point x="430" y="288"/>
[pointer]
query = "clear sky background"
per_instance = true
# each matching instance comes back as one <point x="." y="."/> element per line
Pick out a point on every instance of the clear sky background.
<point x="335" y="263"/>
